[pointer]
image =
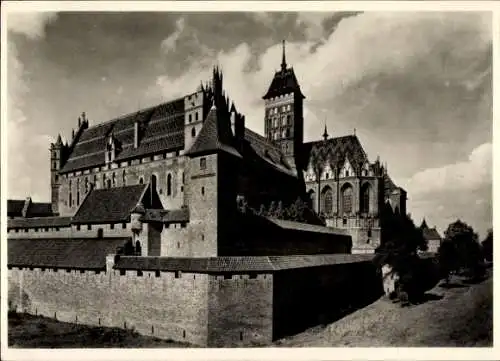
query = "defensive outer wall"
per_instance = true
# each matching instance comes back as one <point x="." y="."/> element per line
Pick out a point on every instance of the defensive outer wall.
<point x="216" y="302"/>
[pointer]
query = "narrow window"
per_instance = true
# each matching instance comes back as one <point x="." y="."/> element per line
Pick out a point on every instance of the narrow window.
<point x="202" y="191"/>
<point x="141" y="181"/>
<point x="89" y="227"/>
<point x="177" y="274"/>
<point x="203" y="163"/>
<point x="157" y="273"/>
<point x="169" y="184"/>
<point x="124" y="225"/>
<point x="196" y="116"/>
<point x="193" y="132"/>
<point x="124" y="178"/>
<point x="139" y="273"/>
<point x="190" y="118"/>
<point x="78" y="227"/>
<point x="112" y="226"/>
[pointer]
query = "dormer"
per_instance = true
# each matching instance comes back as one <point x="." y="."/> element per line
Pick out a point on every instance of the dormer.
<point x="112" y="148"/>
<point x="347" y="170"/>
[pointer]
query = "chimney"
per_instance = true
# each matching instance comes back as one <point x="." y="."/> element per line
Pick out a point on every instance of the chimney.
<point x="136" y="134"/>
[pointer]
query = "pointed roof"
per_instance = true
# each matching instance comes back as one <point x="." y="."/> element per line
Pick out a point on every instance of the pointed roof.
<point x="110" y="205"/>
<point x="424" y="224"/>
<point x="283" y="59"/>
<point x="325" y="134"/>
<point x="214" y="136"/>
<point x="284" y="81"/>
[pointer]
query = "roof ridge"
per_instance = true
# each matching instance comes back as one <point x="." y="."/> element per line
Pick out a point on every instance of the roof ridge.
<point x="142" y="110"/>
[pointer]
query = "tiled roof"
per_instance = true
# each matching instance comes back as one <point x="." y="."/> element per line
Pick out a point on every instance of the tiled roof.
<point x="110" y="204"/>
<point x="306" y="227"/>
<point x="15" y="207"/>
<point x="336" y="150"/>
<point x="39" y="209"/>
<point x="161" y="130"/>
<point x="431" y="233"/>
<point x="284" y="82"/>
<point x="39" y="222"/>
<point x="215" y="135"/>
<point x="268" y="152"/>
<point x="237" y="264"/>
<point x="84" y="253"/>
<point x="34" y="209"/>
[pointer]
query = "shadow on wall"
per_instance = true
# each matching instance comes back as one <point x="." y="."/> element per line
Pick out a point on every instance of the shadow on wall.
<point x="319" y="296"/>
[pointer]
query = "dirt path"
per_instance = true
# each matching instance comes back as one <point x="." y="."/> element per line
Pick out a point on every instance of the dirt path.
<point x="458" y="316"/>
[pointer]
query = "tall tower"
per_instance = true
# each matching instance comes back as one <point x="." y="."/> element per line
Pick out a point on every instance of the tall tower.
<point x="56" y="153"/>
<point x="284" y="121"/>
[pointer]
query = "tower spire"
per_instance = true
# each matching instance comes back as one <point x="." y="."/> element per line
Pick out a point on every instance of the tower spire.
<point x="283" y="60"/>
<point x="325" y="134"/>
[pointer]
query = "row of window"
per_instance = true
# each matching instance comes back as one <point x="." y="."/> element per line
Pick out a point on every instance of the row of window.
<point x="128" y="163"/>
<point x="275" y="122"/>
<point x="36" y="229"/>
<point x="282" y="109"/>
<point x="346" y="200"/>
<point x="111" y="182"/>
<point x="190" y="117"/>
<point x="285" y="133"/>
<point x="310" y="176"/>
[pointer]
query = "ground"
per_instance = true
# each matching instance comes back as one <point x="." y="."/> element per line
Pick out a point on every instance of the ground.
<point x="460" y="315"/>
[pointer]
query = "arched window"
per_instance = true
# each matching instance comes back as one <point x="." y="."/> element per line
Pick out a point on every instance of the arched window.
<point x="104" y="181"/>
<point x="169" y="184"/>
<point x="327" y="196"/>
<point x="183" y="178"/>
<point x="347" y="198"/>
<point x="193" y="132"/>
<point x="124" y="178"/>
<point x="365" y="198"/>
<point x="114" y="179"/>
<point x="95" y="181"/>
<point x="141" y="180"/>
<point x="86" y="184"/>
<point x="108" y="183"/>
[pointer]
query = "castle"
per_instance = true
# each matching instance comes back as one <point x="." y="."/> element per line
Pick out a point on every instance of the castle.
<point x="171" y="192"/>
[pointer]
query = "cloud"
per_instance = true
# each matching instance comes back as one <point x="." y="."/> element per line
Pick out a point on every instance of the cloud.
<point x="468" y="175"/>
<point x="406" y="81"/>
<point x="30" y="24"/>
<point x="170" y="43"/>
<point x="24" y="139"/>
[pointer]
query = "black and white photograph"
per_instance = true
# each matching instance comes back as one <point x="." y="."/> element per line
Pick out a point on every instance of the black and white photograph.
<point x="247" y="178"/>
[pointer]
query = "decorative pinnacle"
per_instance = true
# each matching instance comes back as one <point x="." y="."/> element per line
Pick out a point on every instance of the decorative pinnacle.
<point x="283" y="60"/>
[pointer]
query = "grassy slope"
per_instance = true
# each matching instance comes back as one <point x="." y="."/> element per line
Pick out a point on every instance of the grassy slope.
<point x="458" y="316"/>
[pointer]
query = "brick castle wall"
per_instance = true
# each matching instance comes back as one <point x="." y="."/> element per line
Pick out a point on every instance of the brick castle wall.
<point x="165" y="306"/>
<point x="240" y="310"/>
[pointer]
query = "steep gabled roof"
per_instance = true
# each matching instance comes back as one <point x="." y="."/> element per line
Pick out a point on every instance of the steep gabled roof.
<point x="214" y="136"/>
<point x="81" y="253"/>
<point x="284" y="82"/>
<point x="161" y="130"/>
<point x="110" y="205"/>
<point x="431" y="234"/>
<point x="336" y="150"/>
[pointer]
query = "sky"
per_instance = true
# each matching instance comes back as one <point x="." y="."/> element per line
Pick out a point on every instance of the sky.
<point x="416" y="87"/>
